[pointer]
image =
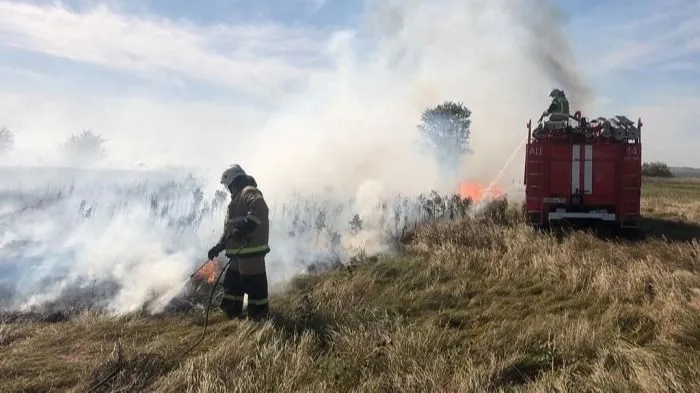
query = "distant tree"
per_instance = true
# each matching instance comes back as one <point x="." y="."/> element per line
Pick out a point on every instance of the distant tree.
<point x="656" y="169"/>
<point x="447" y="128"/>
<point x="7" y="140"/>
<point x="84" y="148"/>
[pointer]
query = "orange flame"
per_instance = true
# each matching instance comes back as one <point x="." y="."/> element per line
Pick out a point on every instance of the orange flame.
<point x="478" y="192"/>
<point x="209" y="271"/>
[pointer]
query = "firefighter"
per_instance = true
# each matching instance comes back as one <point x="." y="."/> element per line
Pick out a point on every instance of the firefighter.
<point x="559" y="106"/>
<point x="558" y="111"/>
<point x="246" y="221"/>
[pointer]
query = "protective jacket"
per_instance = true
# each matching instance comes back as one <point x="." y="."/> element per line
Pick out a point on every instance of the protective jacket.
<point x="559" y="105"/>
<point x="248" y="216"/>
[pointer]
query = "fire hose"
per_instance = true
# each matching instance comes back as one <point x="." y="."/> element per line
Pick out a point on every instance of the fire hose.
<point x="211" y="295"/>
<point x="206" y="318"/>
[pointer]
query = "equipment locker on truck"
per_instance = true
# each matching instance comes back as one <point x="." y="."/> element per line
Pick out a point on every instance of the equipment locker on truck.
<point x="584" y="171"/>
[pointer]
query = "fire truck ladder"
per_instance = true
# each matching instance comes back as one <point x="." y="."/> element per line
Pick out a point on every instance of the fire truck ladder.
<point x="630" y="196"/>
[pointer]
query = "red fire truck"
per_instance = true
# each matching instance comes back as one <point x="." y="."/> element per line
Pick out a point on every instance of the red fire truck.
<point x="581" y="171"/>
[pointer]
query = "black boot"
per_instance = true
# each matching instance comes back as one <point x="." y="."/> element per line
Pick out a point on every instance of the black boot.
<point x="257" y="311"/>
<point x="233" y="308"/>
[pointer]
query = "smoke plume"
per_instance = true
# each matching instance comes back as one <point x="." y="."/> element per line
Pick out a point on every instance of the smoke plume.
<point x="339" y="147"/>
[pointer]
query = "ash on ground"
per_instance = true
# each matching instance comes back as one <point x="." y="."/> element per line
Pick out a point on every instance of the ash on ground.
<point x="76" y="302"/>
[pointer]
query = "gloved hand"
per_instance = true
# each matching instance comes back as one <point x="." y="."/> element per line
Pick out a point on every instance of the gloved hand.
<point x="215" y="251"/>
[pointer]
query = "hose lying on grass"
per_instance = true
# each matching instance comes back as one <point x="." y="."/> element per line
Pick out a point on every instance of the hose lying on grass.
<point x="193" y="346"/>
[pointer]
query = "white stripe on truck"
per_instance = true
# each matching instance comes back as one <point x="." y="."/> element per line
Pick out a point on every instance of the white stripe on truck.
<point x="588" y="170"/>
<point x="574" y="215"/>
<point x="575" y="168"/>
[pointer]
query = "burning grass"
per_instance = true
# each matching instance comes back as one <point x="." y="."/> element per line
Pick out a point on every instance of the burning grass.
<point x="477" y="304"/>
<point x="166" y="219"/>
<point x="478" y="192"/>
<point x="312" y="234"/>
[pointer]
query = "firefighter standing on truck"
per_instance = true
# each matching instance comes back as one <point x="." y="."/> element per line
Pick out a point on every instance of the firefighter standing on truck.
<point x="558" y="111"/>
<point x="246" y="228"/>
<point x="559" y="106"/>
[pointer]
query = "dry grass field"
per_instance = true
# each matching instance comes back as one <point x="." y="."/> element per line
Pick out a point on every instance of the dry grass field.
<point x="482" y="305"/>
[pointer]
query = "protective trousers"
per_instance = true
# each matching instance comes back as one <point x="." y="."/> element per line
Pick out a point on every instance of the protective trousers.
<point x="245" y="275"/>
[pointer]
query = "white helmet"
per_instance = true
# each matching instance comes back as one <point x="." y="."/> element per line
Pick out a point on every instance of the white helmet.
<point x="231" y="173"/>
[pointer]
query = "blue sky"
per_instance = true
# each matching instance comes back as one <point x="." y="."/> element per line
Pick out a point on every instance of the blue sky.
<point x="261" y="20"/>
<point x="638" y="56"/>
<point x="631" y="36"/>
<point x="645" y="46"/>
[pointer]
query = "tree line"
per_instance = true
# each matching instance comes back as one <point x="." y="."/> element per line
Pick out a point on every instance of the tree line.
<point x="83" y="148"/>
<point x="656" y="169"/>
<point x="445" y="129"/>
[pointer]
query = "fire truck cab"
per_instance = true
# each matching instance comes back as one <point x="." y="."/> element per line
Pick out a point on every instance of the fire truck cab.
<point x="582" y="171"/>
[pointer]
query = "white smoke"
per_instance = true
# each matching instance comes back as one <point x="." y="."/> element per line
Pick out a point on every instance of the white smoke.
<point x="357" y="124"/>
<point x="351" y="135"/>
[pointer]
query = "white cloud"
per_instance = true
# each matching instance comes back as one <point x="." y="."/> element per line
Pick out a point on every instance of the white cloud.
<point x="626" y="56"/>
<point x="679" y="66"/>
<point x="667" y="36"/>
<point x="260" y="59"/>
<point x="669" y="131"/>
<point x="317" y="4"/>
<point x="654" y="39"/>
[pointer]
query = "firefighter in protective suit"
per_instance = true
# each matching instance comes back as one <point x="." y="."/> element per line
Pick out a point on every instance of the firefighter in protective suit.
<point x="558" y="111"/>
<point x="559" y="108"/>
<point x="246" y="220"/>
